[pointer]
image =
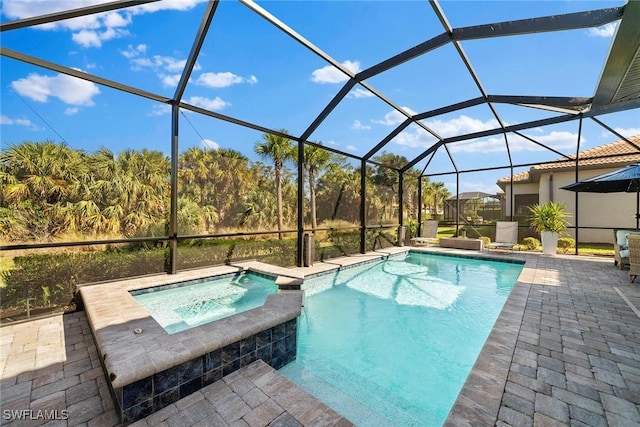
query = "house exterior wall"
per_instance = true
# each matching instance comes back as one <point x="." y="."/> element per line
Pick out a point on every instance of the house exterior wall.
<point x="529" y="188"/>
<point x="608" y="210"/>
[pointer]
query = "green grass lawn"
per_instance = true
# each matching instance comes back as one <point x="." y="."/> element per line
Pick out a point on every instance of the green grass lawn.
<point x="595" y="249"/>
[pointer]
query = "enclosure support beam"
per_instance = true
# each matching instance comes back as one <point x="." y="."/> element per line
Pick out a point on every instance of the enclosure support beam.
<point x="457" y="203"/>
<point x="299" y="242"/>
<point x="512" y="197"/>
<point x="577" y="170"/>
<point x="420" y="205"/>
<point x="70" y="14"/>
<point x="400" y="208"/>
<point x="363" y="213"/>
<point x="173" y="213"/>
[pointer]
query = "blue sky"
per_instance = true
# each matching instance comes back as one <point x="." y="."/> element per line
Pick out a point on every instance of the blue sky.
<point x="250" y="70"/>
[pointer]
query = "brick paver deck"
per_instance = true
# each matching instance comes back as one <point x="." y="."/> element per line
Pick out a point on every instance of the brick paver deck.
<point x="565" y="351"/>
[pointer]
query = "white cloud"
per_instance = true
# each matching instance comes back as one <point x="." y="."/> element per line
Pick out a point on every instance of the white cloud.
<point x="460" y="125"/>
<point x="209" y="144"/>
<point x="70" y="111"/>
<point x="351" y="148"/>
<point x="170" y="80"/>
<point x="138" y="64"/>
<point x="627" y="132"/>
<point x="168" y="63"/>
<point x="160" y="110"/>
<point x="167" y="68"/>
<point x="414" y="136"/>
<point x="87" y="38"/>
<point x="395" y="117"/>
<point x="560" y="140"/>
<point x="359" y="126"/>
<point x="224" y="79"/>
<point x="556" y="140"/>
<point x="607" y="30"/>
<point x="470" y="186"/>
<point x="359" y="93"/>
<point x="90" y="30"/>
<point x="134" y="51"/>
<point x="7" y="121"/>
<point x="331" y="74"/>
<point x="67" y="89"/>
<point x="215" y="104"/>
<point x="167" y="5"/>
<point x="116" y="20"/>
<point x="93" y="38"/>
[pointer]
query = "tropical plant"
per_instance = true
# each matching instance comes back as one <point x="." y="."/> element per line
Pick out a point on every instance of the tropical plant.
<point x="279" y="149"/>
<point x="440" y="193"/>
<point x="549" y="216"/>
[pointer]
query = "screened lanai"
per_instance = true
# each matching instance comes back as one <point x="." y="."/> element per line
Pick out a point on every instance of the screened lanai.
<point x="210" y="131"/>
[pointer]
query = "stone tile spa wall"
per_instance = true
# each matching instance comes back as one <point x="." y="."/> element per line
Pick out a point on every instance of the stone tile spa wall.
<point x="276" y="346"/>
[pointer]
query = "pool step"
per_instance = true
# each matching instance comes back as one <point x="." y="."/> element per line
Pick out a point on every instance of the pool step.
<point x="367" y="405"/>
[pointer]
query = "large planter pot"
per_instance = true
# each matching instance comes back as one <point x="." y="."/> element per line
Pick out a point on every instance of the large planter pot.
<point x="549" y="242"/>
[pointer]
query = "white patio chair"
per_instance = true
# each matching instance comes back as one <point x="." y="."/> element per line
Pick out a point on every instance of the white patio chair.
<point x="428" y="234"/>
<point x="506" y="235"/>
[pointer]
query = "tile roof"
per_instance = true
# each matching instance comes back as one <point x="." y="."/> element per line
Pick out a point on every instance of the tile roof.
<point x="615" y="154"/>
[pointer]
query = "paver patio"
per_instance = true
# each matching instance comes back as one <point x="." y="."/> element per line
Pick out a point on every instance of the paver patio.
<point x="565" y="351"/>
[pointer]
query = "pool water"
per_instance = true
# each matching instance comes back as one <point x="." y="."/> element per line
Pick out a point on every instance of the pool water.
<point x="391" y="343"/>
<point x="180" y="307"/>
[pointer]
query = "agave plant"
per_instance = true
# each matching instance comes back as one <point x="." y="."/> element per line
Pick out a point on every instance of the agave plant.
<point x="549" y="216"/>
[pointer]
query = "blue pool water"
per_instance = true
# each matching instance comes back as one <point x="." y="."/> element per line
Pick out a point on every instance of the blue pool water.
<point x="391" y="343"/>
<point x="184" y="306"/>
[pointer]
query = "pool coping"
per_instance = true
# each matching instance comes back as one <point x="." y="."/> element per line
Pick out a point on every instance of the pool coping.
<point x="133" y="345"/>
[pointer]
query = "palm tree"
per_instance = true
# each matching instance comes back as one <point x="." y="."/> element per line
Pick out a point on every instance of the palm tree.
<point x="41" y="183"/>
<point x="338" y="191"/>
<point x="315" y="160"/>
<point x="386" y="180"/>
<point x="233" y="178"/>
<point x="279" y="150"/>
<point x="135" y="191"/>
<point x="440" y="193"/>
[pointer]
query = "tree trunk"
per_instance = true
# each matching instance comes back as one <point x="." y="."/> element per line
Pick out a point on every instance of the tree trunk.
<point x="312" y="197"/>
<point x="278" y="171"/>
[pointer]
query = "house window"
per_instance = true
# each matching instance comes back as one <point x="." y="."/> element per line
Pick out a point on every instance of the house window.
<point x="522" y="203"/>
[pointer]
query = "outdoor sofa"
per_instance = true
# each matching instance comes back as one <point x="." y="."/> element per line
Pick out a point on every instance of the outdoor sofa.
<point x="621" y="247"/>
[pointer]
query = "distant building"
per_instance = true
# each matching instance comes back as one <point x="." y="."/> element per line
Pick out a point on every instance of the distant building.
<point x="475" y="208"/>
<point x="542" y="183"/>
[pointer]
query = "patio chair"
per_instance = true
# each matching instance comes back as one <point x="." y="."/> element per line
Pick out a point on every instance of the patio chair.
<point x="506" y="235"/>
<point x="428" y="234"/>
<point x="633" y="240"/>
<point x="620" y="250"/>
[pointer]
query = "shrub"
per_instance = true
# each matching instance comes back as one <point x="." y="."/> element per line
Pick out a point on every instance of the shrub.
<point x="50" y="280"/>
<point x="566" y="243"/>
<point x="530" y="243"/>
<point x="485" y="240"/>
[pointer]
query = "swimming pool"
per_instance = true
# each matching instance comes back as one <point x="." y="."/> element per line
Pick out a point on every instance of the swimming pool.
<point x="391" y="343"/>
<point x="182" y="306"/>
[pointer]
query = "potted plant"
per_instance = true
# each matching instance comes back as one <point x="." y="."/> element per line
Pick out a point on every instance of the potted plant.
<point x="550" y="220"/>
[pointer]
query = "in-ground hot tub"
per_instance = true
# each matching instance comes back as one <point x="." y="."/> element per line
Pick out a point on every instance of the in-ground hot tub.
<point x="180" y="306"/>
<point x="148" y="368"/>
